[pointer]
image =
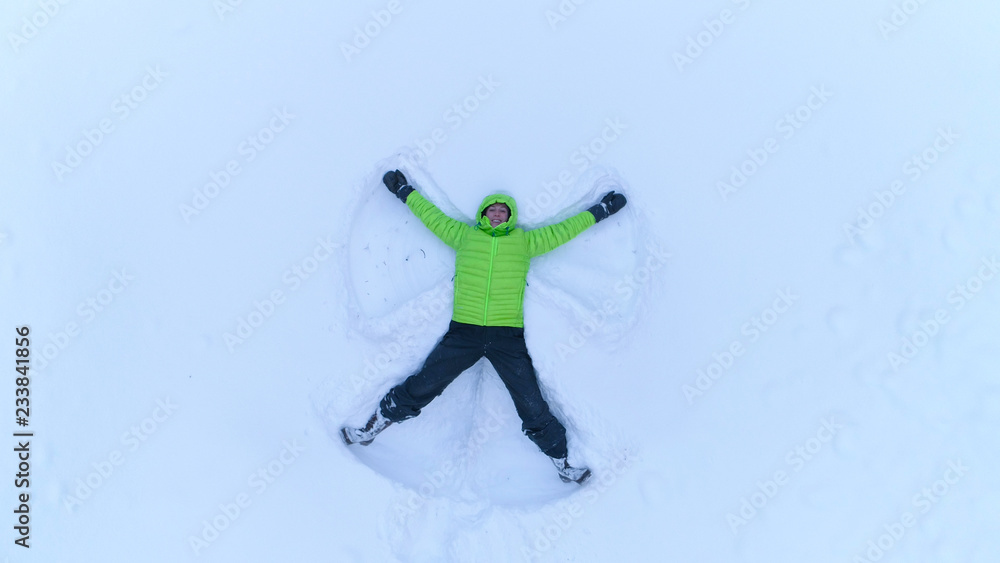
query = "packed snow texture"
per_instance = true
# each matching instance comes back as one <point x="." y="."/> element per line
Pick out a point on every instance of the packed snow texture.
<point x="783" y="349"/>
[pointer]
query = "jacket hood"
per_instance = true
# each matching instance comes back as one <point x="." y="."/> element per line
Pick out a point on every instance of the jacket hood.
<point x="503" y="228"/>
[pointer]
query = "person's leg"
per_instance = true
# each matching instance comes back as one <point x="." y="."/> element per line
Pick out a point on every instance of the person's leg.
<point x="460" y="348"/>
<point x="509" y="355"/>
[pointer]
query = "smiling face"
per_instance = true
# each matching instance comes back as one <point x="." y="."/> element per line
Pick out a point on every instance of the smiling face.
<point x="497" y="213"/>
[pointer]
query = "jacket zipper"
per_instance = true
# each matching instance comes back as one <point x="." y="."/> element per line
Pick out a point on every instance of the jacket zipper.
<point x="489" y="280"/>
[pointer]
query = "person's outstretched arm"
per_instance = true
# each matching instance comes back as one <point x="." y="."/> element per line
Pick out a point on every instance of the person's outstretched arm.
<point x="547" y="238"/>
<point x="450" y="231"/>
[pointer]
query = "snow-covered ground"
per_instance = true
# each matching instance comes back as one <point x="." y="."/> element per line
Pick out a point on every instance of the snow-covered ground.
<point x="784" y="349"/>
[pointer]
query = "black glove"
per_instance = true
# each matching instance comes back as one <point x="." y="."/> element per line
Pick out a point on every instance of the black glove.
<point x="610" y="204"/>
<point x="397" y="184"/>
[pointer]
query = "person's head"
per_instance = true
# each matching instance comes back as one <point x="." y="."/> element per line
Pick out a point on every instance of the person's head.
<point x="497" y="213"/>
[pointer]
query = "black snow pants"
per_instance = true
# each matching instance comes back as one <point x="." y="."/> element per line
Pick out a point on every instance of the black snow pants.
<point x="462" y="346"/>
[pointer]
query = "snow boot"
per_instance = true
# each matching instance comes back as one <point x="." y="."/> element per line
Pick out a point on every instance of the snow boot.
<point x="569" y="473"/>
<point x="366" y="434"/>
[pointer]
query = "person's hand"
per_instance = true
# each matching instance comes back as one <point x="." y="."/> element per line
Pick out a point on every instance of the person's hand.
<point x="610" y="204"/>
<point x="397" y="184"/>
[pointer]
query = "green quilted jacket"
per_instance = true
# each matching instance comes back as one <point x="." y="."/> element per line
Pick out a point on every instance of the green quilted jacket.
<point x="491" y="264"/>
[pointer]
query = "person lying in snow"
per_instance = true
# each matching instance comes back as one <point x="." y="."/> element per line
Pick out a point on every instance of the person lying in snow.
<point x="491" y="265"/>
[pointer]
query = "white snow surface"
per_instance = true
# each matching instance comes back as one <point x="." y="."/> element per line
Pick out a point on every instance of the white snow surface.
<point x="784" y="349"/>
